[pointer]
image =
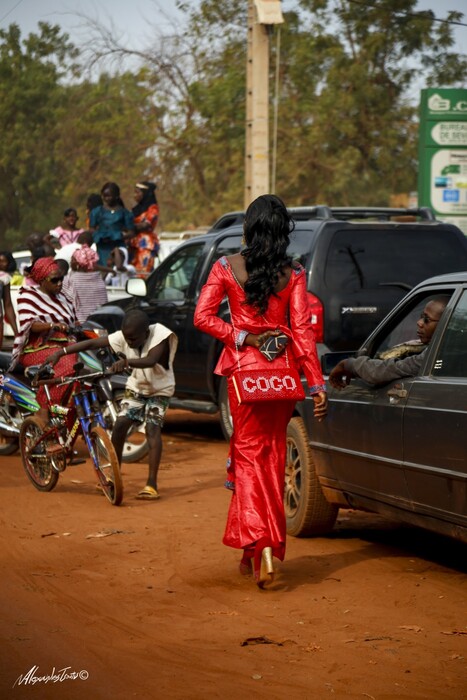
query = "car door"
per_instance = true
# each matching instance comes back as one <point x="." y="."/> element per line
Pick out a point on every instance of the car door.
<point x="435" y="426"/>
<point x="172" y="295"/>
<point x="169" y="301"/>
<point x="205" y="350"/>
<point x="363" y="431"/>
<point x="364" y="441"/>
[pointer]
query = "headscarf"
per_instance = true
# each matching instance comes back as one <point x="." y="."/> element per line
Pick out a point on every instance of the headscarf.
<point x="149" y="197"/>
<point x="42" y="268"/>
<point x="85" y="257"/>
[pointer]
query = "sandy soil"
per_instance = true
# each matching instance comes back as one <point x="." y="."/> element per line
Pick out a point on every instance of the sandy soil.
<point x="143" y="601"/>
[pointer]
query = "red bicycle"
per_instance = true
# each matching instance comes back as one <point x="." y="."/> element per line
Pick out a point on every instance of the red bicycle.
<point x="46" y="448"/>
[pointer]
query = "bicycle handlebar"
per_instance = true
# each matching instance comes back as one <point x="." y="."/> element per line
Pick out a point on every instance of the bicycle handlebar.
<point x="60" y="381"/>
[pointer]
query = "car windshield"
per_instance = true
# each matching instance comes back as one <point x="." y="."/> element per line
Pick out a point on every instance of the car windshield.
<point x="299" y="247"/>
<point x="172" y="280"/>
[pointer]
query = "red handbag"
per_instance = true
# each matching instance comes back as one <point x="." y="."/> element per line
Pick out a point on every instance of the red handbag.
<point x="281" y="384"/>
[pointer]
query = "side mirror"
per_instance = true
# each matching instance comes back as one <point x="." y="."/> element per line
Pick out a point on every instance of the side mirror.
<point x="136" y="287"/>
<point x="330" y="359"/>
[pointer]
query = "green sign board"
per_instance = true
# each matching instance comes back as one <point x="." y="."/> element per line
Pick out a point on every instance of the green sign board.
<point x="442" y="180"/>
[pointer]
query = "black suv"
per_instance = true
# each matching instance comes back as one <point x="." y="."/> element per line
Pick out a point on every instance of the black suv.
<point x="359" y="261"/>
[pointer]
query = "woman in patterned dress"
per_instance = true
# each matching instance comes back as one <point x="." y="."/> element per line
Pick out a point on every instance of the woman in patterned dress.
<point x="144" y="247"/>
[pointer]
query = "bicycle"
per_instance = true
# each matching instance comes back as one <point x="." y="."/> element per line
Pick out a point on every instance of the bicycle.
<point x="45" y="448"/>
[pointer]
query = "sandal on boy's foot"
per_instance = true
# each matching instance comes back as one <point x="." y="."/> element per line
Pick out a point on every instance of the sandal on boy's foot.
<point x="149" y="493"/>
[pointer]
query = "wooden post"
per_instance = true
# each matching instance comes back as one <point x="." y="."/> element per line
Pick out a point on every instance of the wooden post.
<point x="261" y="14"/>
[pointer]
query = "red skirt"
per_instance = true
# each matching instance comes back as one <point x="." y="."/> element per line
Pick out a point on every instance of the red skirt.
<point x="257" y="470"/>
<point x="63" y="368"/>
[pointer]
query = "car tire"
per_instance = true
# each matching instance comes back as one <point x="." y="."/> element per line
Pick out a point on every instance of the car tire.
<point x="224" y="409"/>
<point x="307" y="511"/>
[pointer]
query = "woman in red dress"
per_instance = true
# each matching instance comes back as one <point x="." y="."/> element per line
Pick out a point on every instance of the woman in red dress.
<point x="267" y="295"/>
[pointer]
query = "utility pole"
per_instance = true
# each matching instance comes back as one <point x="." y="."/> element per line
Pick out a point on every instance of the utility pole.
<point x="262" y="14"/>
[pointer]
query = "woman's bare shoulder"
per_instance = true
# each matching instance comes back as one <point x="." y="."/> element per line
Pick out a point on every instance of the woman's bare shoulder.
<point x="236" y="258"/>
<point x="237" y="265"/>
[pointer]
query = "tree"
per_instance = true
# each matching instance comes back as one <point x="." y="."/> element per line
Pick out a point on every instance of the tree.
<point x="105" y="132"/>
<point x="198" y="86"/>
<point x="348" y="123"/>
<point x="350" y="105"/>
<point x="30" y="94"/>
<point x="66" y="137"/>
<point x="350" y="75"/>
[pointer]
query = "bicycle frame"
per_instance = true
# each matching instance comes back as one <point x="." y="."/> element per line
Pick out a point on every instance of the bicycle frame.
<point x="45" y="449"/>
<point x="84" y="411"/>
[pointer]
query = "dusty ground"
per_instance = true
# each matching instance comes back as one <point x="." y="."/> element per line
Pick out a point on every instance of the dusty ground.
<point x="158" y="610"/>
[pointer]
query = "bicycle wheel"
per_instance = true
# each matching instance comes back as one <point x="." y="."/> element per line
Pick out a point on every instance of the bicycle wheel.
<point x="106" y="464"/>
<point x="37" y="465"/>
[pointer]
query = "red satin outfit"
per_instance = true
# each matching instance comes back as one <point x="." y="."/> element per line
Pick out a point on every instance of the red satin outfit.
<point x="258" y="443"/>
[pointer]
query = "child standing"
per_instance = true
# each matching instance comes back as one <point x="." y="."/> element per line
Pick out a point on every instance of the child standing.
<point x="149" y="352"/>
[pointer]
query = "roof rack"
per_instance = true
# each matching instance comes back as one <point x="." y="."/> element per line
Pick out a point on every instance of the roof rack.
<point x="319" y="211"/>
<point x="322" y="211"/>
<point x="381" y="213"/>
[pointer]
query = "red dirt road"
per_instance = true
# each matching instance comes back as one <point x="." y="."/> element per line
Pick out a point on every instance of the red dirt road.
<point x="157" y="608"/>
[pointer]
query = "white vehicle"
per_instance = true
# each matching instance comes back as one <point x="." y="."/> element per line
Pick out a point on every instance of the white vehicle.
<point x="23" y="258"/>
<point x="168" y="242"/>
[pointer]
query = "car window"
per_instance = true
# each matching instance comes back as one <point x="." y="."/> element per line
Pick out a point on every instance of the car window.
<point x="451" y="359"/>
<point x="227" y="246"/>
<point x="171" y="281"/>
<point x="404" y="330"/>
<point x="301" y="242"/>
<point x="401" y="257"/>
<point x="399" y="339"/>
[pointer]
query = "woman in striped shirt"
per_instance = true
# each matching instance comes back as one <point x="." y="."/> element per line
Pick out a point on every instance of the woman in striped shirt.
<point x="84" y="284"/>
<point x="44" y="318"/>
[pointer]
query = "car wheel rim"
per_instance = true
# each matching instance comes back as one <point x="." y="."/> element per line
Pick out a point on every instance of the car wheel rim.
<point x="293" y="476"/>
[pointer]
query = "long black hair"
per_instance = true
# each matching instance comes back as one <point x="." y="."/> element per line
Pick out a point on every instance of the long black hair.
<point x="266" y="230"/>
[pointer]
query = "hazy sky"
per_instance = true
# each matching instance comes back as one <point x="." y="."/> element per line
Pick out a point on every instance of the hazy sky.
<point x="132" y="18"/>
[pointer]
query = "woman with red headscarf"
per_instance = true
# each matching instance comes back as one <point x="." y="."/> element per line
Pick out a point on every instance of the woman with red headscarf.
<point x="44" y="318"/>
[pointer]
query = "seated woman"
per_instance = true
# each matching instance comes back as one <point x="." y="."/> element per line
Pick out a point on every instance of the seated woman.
<point x="44" y="318"/>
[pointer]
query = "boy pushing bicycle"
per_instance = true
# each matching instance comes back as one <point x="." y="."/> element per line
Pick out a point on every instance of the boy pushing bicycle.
<point x="148" y="351"/>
